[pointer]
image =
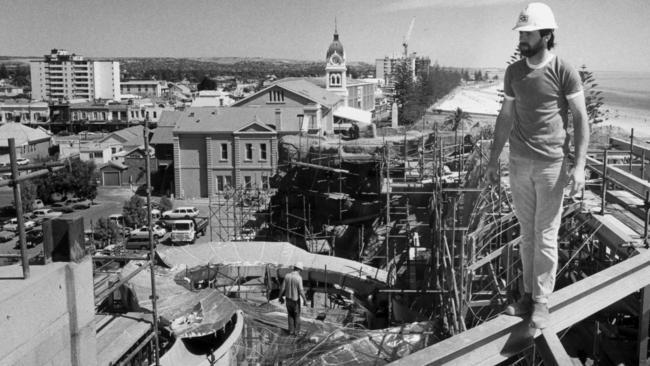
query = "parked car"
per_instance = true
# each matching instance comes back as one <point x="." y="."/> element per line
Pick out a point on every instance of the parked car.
<point x="12" y="225"/>
<point x="38" y="204"/>
<point x="45" y="213"/>
<point x="181" y="213"/>
<point x="32" y="239"/>
<point x="62" y="207"/>
<point x="22" y="161"/>
<point x="6" y="236"/>
<point x="78" y="203"/>
<point x="143" y="232"/>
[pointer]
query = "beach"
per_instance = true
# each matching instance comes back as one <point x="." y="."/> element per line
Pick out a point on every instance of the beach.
<point x="484" y="99"/>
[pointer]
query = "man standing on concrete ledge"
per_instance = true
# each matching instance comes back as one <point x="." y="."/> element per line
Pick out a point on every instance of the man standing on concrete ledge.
<point x="292" y="286"/>
<point x="539" y="91"/>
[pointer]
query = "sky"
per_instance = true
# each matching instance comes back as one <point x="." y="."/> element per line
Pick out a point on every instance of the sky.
<point x="608" y="35"/>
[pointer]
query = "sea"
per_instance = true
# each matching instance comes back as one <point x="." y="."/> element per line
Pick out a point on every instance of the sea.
<point x="628" y="90"/>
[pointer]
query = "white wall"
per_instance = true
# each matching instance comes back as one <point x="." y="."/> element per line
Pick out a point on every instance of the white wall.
<point x="107" y="79"/>
<point x="36" y="73"/>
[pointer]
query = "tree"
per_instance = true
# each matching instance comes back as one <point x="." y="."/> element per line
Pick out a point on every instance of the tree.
<point x="105" y="232"/>
<point x="3" y="72"/>
<point x="78" y="178"/>
<point x="28" y="193"/>
<point x="405" y="95"/>
<point x="593" y="97"/>
<point x="454" y="121"/>
<point x="134" y="213"/>
<point x="207" y="84"/>
<point x="165" y="204"/>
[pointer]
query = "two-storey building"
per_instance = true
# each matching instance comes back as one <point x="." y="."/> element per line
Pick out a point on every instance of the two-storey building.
<point x="227" y="147"/>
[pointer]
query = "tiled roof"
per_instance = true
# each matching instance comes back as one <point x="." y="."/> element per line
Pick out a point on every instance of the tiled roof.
<point x="21" y="133"/>
<point x="231" y="119"/>
<point x="163" y="133"/>
<point x="131" y="136"/>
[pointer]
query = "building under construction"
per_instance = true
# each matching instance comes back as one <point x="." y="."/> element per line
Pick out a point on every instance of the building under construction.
<point x="409" y="259"/>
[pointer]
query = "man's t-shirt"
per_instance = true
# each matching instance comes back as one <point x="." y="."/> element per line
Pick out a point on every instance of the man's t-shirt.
<point x="292" y="286"/>
<point x="540" y="93"/>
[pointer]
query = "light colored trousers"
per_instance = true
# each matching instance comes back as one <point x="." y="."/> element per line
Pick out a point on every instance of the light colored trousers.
<point x="537" y="192"/>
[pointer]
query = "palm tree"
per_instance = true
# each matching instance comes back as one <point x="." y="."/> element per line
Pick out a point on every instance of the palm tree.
<point x="455" y="120"/>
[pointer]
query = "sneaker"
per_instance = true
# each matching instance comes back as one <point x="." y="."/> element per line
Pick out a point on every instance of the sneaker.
<point x="521" y="307"/>
<point x="540" y="316"/>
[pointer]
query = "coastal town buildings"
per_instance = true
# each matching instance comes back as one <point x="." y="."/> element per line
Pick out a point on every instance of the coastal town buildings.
<point x="24" y="111"/>
<point x="62" y="75"/>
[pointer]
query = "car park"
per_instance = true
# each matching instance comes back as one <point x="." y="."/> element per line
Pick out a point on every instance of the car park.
<point x="12" y="225"/>
<point x="181" y="213"/>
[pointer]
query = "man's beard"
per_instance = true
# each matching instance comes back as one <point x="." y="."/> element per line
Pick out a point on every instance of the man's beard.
<point x="531" y="50"/>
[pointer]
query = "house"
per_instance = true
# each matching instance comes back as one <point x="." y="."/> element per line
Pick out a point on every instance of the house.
<point x="31" y="143"/>
<point x="8" y="90"/>
<point x="135" y="162"/>
<point x="144" y="88"/>
<point x="212" y="98"/>
<point x="224" y="147"/>
<point x="125" y="139"/>
<point x="96" y="152"/>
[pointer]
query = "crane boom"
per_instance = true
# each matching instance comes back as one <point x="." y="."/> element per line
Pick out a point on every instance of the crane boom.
<point x="407" y="36"/>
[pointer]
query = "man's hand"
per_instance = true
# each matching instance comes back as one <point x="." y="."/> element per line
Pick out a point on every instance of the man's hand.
<point x="576" y="181"/>
<point x="491" y="174"/>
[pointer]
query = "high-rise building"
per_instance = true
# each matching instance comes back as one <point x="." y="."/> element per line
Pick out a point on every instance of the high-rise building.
<point x="62" y="75"/>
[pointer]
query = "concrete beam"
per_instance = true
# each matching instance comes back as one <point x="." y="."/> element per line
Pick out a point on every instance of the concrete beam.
<point x="552" y="350"/>
<point x="503" y="337"/>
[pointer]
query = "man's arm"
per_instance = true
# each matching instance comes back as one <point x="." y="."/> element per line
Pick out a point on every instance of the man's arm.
<point x="282" y="290"/>
<point x="580" y="140"/>
<point x="302" y="291"/>
<point x="502" y="129"/>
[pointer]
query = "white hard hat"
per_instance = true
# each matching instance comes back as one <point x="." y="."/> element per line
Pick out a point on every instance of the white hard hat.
<point x="299" y="266"/>
<point x="535" y="16"/>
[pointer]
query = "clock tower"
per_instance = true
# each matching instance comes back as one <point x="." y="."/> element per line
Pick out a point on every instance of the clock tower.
<point x="335" y="70"/>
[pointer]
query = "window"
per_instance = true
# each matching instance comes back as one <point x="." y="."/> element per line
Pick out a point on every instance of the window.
<point x="249" y="151"/>
<point x="276" y="96"/>
<point x="155" y="115"/>
<point x="224" y="151"/>
<point x="263" y="152"/>
<point x="248" y="182"/>
<point x="265" y="182"/>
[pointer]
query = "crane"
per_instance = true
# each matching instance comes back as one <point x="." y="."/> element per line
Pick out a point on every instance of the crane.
<point x="406" y="38"/>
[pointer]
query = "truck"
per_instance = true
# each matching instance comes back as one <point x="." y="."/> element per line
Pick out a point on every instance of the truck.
<point x="186" y="230"/>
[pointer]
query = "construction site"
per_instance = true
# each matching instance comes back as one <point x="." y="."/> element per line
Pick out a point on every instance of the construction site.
<point x="410" y="258"/>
